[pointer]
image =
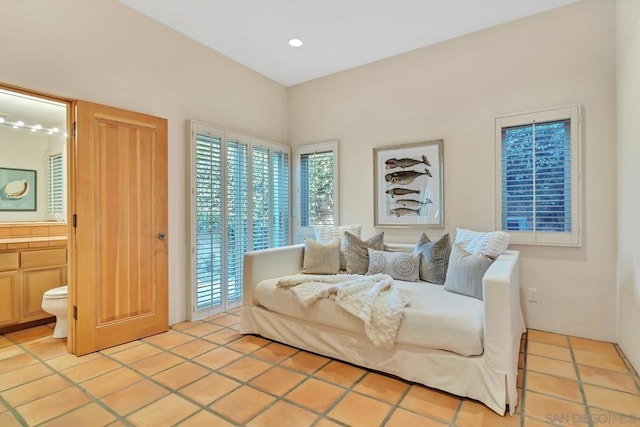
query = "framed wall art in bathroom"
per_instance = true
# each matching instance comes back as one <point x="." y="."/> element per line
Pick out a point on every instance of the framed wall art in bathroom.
<point x="409" y="185"/>
<point x="18" y="189"/>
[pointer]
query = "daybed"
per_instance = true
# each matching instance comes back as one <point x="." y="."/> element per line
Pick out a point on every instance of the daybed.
<point x="462" y="345"/>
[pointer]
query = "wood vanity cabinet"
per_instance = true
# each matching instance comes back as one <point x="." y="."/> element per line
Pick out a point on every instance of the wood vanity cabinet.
<point x="25" y="275"/>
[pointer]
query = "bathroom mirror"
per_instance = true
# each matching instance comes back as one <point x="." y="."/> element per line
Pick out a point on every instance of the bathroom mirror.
<point x="33" y="171"/>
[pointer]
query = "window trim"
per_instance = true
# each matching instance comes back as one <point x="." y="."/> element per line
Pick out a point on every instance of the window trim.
<point x="58" y="151"/>
<point x="301" y="232"/>
<point x="574" y="114"/>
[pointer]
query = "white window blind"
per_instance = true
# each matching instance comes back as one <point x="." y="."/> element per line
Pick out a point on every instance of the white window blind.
<point x="281" y="217"/>
<point x="237" y="212"/>
<point x="538" y="165"/>
<point x="261" y="197"/>
<point x="56" y="186"/>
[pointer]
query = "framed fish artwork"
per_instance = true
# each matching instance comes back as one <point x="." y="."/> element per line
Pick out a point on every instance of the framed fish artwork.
<point x="18" y="189"/>
<point x="409" y="185"/>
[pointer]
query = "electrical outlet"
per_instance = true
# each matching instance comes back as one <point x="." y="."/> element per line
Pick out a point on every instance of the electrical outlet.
<point x="532" y="295"/>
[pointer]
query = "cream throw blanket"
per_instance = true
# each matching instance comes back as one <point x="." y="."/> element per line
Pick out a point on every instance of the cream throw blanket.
<point x="373" y="299"/>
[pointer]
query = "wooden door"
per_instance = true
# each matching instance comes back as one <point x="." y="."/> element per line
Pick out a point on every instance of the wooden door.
<point x="118" y="244"/>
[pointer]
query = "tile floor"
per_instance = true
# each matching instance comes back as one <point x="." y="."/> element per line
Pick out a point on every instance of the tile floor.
<point x="205" y="373"/>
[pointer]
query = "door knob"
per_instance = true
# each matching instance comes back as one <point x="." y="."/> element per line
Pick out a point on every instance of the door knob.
<point x="162" y="235"/>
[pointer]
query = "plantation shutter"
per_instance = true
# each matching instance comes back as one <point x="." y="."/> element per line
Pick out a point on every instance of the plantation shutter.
<point x="55" y="187"/>
<point x="536" y="177"/>
<point x="317" y="189"/>
<point x="261" y="197"/>
<point x="280" y="224"/>
<point x="209" y="203"/>
<point x="237" y="212"/>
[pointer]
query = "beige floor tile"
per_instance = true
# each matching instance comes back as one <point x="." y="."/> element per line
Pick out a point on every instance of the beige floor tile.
<point x="223" y="336"/>
<point x="157" y="363"/>
<point x="248" y="343"/>
<point x="283" y="414"/>
<point x="134" y="397"/>
<point x="475" y="414"/>
<point x="236" y="311"/>
<point x="534" y="422"/>
<point x="47" y="348"/>
<point x="209" y="388"/>
<point x="520" y="378"/>
<point x="91" y="369"/>
<point x="552" y="409"/>
<point x="205" y="419"/>
<point x="169" y="410"/>
<point x="193" y="348"/>
<point x="202" y="329"/>
<point x="246" y="368"/>
<point x="549" y="350"/>
<point x="382" y="387"/>
<point x="623" y="403"/>
<point x="52" y="405"/>
<point x="136" y="353"/>
<point x="217" y="357"/>
<point x="111" y="382"/>
<point x="277" y="380"/>
<point x="403" y="418"/>
<point x="121" y="347"/>
<point x="602" y="417"/>
<point x="554" y="386"/>
<point x="18" y="361"/>
<point x="242" y="404"/>
<point x="8" y="420"/>
<point x="355" y="409"/>
<point x="430" y="402"/>
<point x="275" y="352"/>
<point x="185" y="325"/>
<point x="547" y="338"/>
<point x="592" y="345"/>
<point x="521" y="361"/>
<point x="181" y="375"/>
<point x="34" y="390"/>
<point x="23" y="375"/>
<point x="340" y="373"/>
<point x="66" y="361"/>
<point x="30" y="334"/>
<point x="325" y="422"/>
<point x="88" y="415"/>
<point x="606" y="378"/>
<point x="169" y="339"/>
<point x="316" y="395"/>
<point x="227" y="320"/>
<point x="11" y="351"/>
<point x="551" y="366"/>
<point x="601" y="360"/>
<point x="305" y="362"/>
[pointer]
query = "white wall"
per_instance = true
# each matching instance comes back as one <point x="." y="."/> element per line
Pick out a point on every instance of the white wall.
<point x="628" y="56"/>
<point x="22" y="149"/>
<point x="453" y="91"/>
<point x="105" y="52"/>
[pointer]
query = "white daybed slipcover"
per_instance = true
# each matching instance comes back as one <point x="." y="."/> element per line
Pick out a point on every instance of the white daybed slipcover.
<point x="480" y="361"/>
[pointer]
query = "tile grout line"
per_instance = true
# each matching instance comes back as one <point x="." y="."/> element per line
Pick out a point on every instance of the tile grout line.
<point x="580" y="385"/>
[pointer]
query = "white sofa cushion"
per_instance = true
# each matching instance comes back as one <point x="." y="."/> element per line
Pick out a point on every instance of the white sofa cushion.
<point x="435" y="319"/>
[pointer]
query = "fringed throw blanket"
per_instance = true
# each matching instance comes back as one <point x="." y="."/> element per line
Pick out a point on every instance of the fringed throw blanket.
<point x="373" y="299"/>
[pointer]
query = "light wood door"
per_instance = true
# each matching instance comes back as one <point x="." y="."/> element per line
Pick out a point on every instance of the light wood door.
<point x="119" y="243"/>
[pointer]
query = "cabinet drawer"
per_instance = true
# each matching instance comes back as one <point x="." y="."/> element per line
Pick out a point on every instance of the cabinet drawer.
<point x="9" y="261"/>
<point x="44" y="258"/>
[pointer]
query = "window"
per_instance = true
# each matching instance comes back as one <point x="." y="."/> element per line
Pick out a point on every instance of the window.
<point x="538" y="168"/>
<point x="316" y="187"/>
<point x="240" y="201"/>
<point x="56" y="203"/>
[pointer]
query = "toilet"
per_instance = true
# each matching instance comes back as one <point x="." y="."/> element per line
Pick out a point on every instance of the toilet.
<point x="54" y="301"/>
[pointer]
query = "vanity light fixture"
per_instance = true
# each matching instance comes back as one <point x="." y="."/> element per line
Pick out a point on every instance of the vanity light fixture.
<point x="19" y="124"/>
<point x="295" y="43"/>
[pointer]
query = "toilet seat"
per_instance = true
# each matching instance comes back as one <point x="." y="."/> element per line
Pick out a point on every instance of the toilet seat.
<point x="55" y="293"/>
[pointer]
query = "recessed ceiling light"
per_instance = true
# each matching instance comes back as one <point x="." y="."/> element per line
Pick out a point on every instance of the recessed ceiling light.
<point x="295" y="43"/>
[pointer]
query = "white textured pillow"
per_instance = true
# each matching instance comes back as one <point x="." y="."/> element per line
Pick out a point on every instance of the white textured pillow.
<point x="328" y="233"/>
<point x="321" y="258"/>
<point x="399" y="265"/>
<point x="491" y="244"/>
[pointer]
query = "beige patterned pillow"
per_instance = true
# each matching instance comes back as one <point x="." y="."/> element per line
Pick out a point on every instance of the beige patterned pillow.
<point x="327" y="233"/>
<point x="356" y="251"/>
<point x="399" y="265"/>
<point x="321" y="258"/>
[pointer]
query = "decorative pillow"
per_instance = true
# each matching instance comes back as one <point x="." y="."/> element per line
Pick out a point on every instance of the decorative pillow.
<point x="466" y="271"/>
<point x="327" y="233"/>
<point x="399" y="265"/>
<point x="356" y="251"/>
<point x="321" y="258"/>
<point x="435" y="258"/>
<point x="491" y="244"/>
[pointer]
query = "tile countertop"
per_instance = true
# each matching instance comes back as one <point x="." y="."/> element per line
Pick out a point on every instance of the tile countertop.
<point x="32" y="239"/>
